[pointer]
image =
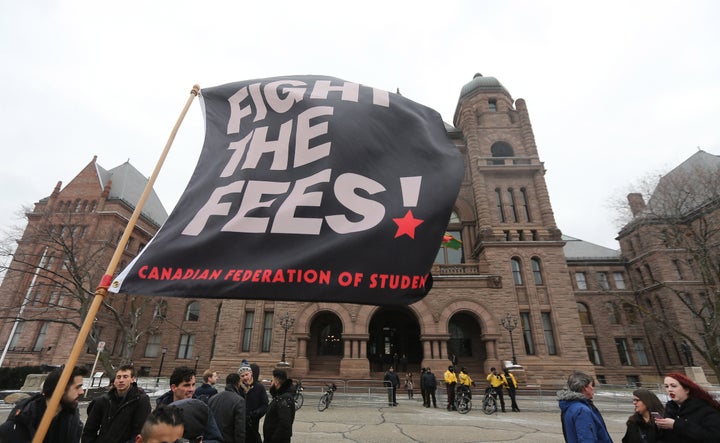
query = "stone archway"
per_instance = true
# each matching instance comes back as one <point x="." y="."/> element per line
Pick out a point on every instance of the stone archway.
<point x="325" y="347"/>
<point x="394" y="339"/>
<point x="466" y="341"/>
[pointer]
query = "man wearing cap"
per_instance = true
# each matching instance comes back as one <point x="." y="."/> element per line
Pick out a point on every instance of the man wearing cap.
<point x="256" y="400"/>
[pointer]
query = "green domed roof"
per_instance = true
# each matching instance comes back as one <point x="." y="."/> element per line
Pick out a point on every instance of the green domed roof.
<point x="484" y="84"/>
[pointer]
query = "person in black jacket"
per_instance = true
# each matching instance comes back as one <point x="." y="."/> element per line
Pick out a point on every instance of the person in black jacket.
<point x="229" y="409"/>
<point x="691" y="416"/>
<point x="641" y="425"/>
<point x="207" y="389"/>
<point x="429" y="383"/>
<point x="392" y="381"/>
<point x="25" y="417"/>
<point x="277" y="427"/>
<point x="117" y="416"/>
<point x="256" y="400"/>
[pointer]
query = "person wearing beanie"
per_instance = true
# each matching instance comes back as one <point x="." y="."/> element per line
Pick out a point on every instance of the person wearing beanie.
<point x="256" y="400"/>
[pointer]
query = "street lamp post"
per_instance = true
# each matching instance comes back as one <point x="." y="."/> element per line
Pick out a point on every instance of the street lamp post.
<point x="510" y="322"/>
<point x="286" y="322"/>
<point x="162" y="359"/>
<point x="197" y="357"/>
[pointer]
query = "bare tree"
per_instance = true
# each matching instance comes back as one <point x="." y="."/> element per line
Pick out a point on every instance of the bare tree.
<point x="673" y="242"/>
<point x="59" y="259"/>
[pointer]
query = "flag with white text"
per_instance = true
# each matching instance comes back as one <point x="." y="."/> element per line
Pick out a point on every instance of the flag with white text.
<point x="308" y="188"/>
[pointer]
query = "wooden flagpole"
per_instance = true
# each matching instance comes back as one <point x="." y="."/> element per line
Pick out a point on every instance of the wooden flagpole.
<point x="101" y="291"/>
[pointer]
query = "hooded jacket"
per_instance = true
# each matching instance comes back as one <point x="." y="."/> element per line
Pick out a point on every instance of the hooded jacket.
<point x="277" y="427"/>
<point x="25" y="417"/>
<point x="229" y="410"/>
<point x="115" y="419"/>
<point x="198" y="420"/>
<point x="581" y="420"/>
<point x="695" y="422"/>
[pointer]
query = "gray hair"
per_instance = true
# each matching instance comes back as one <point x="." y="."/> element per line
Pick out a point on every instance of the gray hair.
<point x="578" y="380"/>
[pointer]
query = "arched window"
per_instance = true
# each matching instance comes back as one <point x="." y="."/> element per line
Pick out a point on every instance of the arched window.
<point x="516" y="271"/>
<point x="501" y="149"/>
<point x="193" y="311"/>
<point x="584" y="314"/>
<point x="537" y="271"/>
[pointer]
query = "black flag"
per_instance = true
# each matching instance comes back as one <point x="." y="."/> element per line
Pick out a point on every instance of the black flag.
<point x="308" y="188"/>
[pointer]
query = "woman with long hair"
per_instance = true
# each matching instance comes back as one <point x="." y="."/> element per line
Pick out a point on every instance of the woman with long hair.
<point x="641" y="425"/>
<point x="691" y="415"/>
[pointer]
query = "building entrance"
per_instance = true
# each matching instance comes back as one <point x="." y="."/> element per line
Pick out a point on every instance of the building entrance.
<point x="394" y="341"/>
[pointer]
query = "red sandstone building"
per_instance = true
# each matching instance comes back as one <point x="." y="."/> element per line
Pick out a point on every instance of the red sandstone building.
<point x="564" y="293"/>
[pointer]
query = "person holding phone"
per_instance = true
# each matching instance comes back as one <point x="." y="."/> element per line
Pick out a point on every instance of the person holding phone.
<point x="692" y="415"/>
<point x="641" y="425"/>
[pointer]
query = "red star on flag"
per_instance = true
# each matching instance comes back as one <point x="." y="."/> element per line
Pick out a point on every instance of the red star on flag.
<point x="407" y="225"/>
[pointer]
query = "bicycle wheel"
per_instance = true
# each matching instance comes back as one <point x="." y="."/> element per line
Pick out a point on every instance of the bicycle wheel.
<point x="299" y="401"/>
<point x="489" y="405"/>
<point x="323" y="403"/>
<point x="464" y="405"/>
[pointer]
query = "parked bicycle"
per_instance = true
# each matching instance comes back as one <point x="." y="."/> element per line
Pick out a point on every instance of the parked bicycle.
<point x="489" y="404"/>
<point x="327" y="397"/>
<point x="298" y="396"/>
<point x="463" y="399"/>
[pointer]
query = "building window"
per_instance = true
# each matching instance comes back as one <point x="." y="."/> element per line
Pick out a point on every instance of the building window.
<point x="640" y="355"/>
<point x="537" y="270"/>
<point x="517" y="273"/>
<point x="247" y="331"/>
<point x="549" y="333"/>
<point x="633" y="380"/>
<point x="630" y="313"/>
<point x="584" y="313"/>
<point x="601" y="379"/>
<point x="621" y="345"/>
<point x="193" y="311"/>
<point x="603" y="281"/>
<point x="527" y="333"/>
<point x="185" y="350"/>
<point x="160" y="310"/>
<point x="492" y="105"/>
<point x="152" y="349"/>
<point x="499" y="204"/>
<point x="524" y="204"/>
<point x="41" y="337"/>
<point x="267" y="331"/>
<point x="16" y="335"/>
<point x="450" y="256"/>
<point x="678" y="270"/>
<point x="649" y="272"/>
<point x="640" y="276"/>
<point x="613" y="315"/>
<point x="593" y="351"/>
<point x="511" y="201"/>
<point x="619" y="280"/>
<point x="580" y="281"/>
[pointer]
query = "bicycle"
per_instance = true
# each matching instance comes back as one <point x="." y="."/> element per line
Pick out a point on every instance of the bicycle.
<point x="327" y="397"/>
<point x="463" y="399"/>
<point x="298" y="397"/>
<point x="489" y="404"/>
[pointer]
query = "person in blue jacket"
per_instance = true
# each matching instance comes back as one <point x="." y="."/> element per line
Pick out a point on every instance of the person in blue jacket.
<point x="581" y="420"/>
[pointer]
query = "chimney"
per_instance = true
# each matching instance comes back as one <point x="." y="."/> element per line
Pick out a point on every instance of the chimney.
<point x="636" y="202"/>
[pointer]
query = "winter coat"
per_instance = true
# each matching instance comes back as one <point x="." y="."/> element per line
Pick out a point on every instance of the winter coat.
<point x="695" y="422"/>
<point x="277" y="427"/>
<point x="640" y="431"/>
<point x="428" y="381"/>
<point x="392" y="378"/>
<point x="229" y="410"/>
<point x="198" y="420"/>
<point x="25" y="417"/>
<point x="581" y="420"/>
<point x="165" y="399"/>
<point x="256" y="405"/>
<point x="204" y="392"/>
<point x="115" y="419"/>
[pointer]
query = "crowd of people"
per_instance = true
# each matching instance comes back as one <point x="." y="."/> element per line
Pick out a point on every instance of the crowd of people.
<point x="205" y="414"/>
<point x="184" y="413"/>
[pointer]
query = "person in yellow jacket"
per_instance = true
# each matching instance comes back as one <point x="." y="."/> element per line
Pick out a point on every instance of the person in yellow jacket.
<point x="450" y="383"/>
<point x="498" y="382"/>
<point x="465" y="381"/>
<point x="511" y="386"/>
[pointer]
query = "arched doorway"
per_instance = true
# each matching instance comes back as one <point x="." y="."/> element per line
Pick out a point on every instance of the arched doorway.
<point x="394" y="340"/>
<point x="325" y="348"/>
<point x="466" y="342"/>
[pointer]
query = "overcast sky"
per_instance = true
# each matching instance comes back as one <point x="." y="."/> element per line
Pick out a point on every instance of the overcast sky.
<point x="616" y="90"/>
